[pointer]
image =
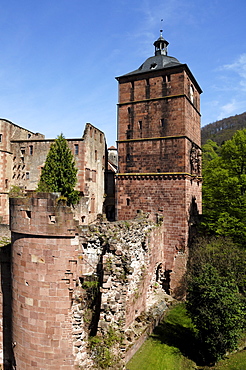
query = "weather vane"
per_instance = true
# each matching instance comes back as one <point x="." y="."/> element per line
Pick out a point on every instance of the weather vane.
<point x="161" y="30"/>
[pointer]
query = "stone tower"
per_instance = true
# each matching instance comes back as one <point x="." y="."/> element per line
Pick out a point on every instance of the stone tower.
<point x="159" y="148"/>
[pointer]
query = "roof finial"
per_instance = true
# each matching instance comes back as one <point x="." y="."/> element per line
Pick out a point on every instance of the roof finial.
<point x="161" y="30"/>
<point x="161" y="44"/>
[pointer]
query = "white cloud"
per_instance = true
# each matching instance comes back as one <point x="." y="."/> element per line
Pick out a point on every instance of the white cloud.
<point x="231" y="108"/>
<point x="227" y="109"/>
<point x="239" y="67"/>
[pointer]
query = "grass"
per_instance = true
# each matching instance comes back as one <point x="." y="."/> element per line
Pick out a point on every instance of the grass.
<point x="172" y="346"/>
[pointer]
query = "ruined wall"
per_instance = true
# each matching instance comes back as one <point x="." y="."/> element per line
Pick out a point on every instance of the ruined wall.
<point x="95" y="166"/>
<point x="73" y="282"/>
<point x="8" y="131"/>
<point x="177" y="199"/>
<point x="23" y="154"/>
<point x="128" y="258"/>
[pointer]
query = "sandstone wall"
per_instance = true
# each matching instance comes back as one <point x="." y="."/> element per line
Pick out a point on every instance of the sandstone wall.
<point x="8" y="132"/>
<point x="44" y="270"/>
<point x="73" y="282"/>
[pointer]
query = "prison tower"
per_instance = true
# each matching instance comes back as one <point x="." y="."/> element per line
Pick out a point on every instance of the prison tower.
<point x="159" y="148"/>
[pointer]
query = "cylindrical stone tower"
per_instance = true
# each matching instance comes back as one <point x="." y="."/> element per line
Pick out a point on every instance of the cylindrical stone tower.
<point x="44" y="269"/>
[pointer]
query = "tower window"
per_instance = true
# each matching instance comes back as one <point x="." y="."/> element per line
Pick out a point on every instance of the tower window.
<point x="76" y="149"/>
<point x="52" y="219"/>
<point x="162" y="122"/>
<point x="168" y="78"/>
<point x="31" y="149"/>
<point x="27" y="175"/>
<point x="1" y="138"/>
<point x="28" y="214"/>
<point x="128" y="157"/>
<point x="28" y="136"/>
<point x="147" y="89"/>
<point x="140" y="125"/>
<point x="127" y="201"/>
<point x="129" y="110"/>
<point x="132" y="91"/>
<point x="95" y="155"/>
<point x="192" y="93"/>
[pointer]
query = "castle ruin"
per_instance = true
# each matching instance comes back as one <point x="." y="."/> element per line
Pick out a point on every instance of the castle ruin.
<point x="71" y="274"/>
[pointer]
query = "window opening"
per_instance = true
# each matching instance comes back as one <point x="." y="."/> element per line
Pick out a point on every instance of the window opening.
<point x="140" y="125"/>
<point x="76" y="149"/>
<point x="31" y="149"/>
<point x="147" y="89"/>
<point x="127" y="201"/>
<point x="27" y="175"/>
<point x="192" y="93"/>
<point x="52" y="219"/>
<point x="1" y="138"/>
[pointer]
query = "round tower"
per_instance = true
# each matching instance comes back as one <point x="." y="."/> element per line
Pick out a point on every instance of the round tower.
<point x="44" y="264"/>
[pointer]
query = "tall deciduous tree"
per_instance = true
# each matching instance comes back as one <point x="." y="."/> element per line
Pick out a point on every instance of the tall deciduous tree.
<point x="217" y="310"/>
<point x="59" y="172"/>
<point x="224" y="189"/>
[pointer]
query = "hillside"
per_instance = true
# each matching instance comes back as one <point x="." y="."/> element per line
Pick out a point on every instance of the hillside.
<point x="224" y="129"/>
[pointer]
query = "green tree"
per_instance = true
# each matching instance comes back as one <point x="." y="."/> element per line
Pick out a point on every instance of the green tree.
<point x="59" y="172"/>
<point x="224" y="189"/>
<point x="227" y="257"/>
<point x="217" y="310"/>
<point x="211" y="150"/>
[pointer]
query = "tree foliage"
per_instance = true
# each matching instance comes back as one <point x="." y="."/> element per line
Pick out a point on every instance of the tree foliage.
<point x="217" y="310"/>
<point x="59" y="172"/>
<point x="224" y="187"/>
<point x="222" y="253"/>
<point x="217" y="264"/>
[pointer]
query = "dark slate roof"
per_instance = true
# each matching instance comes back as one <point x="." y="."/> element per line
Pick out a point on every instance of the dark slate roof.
<point x="154" y="63"/>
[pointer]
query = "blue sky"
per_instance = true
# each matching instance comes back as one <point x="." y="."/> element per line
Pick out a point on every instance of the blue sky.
<point x="59" y="58"/>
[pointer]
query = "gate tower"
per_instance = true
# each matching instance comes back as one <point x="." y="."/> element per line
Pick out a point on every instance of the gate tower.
<point x="159" y="140"/>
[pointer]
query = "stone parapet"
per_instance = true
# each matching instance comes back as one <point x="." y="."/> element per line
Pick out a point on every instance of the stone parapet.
<point x="41" y="214"/>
